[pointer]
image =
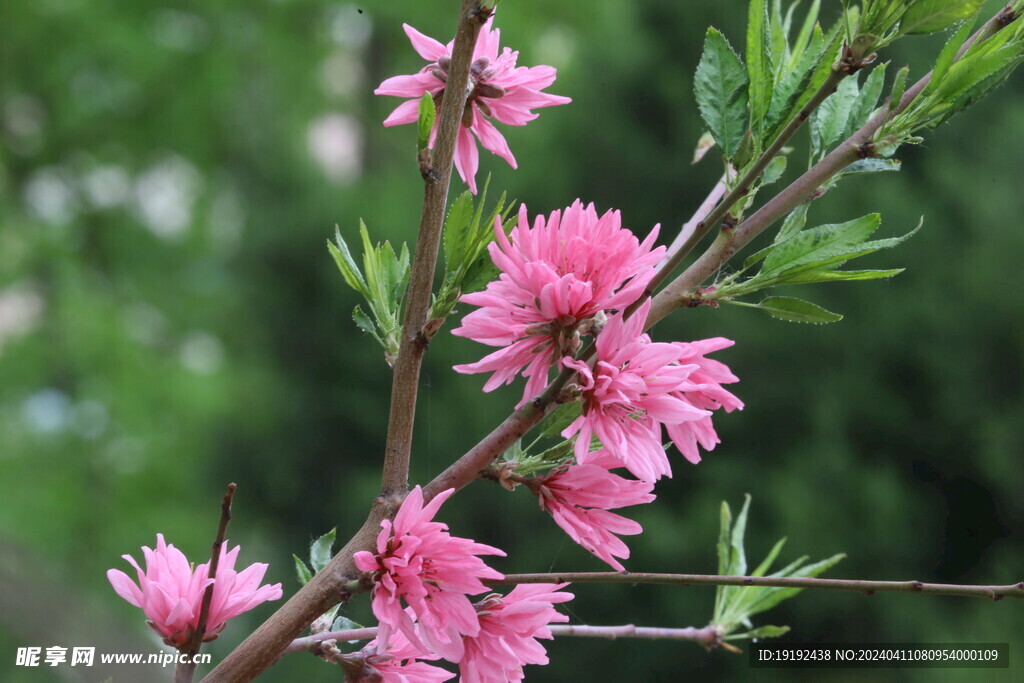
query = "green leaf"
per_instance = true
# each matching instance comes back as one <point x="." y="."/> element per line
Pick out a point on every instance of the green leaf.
<point x="723" y="553"/>
<point x="795" y="310"/>
<point x="771" y="598"/>
<point x="866" y="101"/>
<point x="346" y="264"/>
<point x="776" y="167"/>
<point x="899" y="86"/>
<point x="759" y="63"/>
<point x="457" y="229"/>
<point x="365" y="323"/>
<point x="872" y="165"/>
<point x="794" y="223"/>
<point x="302" y="571"/>
<point x="720" y="86"/>
<point x="778" y="31"/>
<point x="813" y="247"/>
<point x="426" y="121"/>
<point x="841" y="275"/>
<point x="766" y="564"/>
<point x="738" y="562"/>
<point x="320" y="550"/>
<point x="830" y="120"/>
<point x="948" y="54"/>
<point x="803" y="38"/>
<point x="929" y="16"/>
<point x="761" y="632"/>
<point x="558" y="419"/>
<point x="792" y="92"/>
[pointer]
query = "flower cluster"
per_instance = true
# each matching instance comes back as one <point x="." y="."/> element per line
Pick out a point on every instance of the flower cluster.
<point x="498" y="89"/>
<point x="170" y="593"/>
<point x="420" y="564"/>
<point x="559" y="280"/>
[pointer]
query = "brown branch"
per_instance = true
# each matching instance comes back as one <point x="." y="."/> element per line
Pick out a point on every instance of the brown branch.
<point x="183" y="673"/>
<point x="405" y="381"/>
<point x="867" y="587"/>
<point x="265" y="645"/>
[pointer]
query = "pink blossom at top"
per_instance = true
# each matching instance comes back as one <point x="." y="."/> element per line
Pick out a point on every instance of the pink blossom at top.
<point x="509" y="627"/>
<point x="419" y="562"/>
<point x="558" y="280"/>
<point x="703" y="389"/>
<point x="634" y="388"/>
<point x="170" y="593"/>
<point x="498" y="89"/>
<point x="579" y="498"/>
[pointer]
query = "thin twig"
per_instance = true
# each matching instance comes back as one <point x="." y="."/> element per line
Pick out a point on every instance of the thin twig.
<point x="183" y="673"/>
<point x="868" y="587"/>
<point x="310" y="643"/>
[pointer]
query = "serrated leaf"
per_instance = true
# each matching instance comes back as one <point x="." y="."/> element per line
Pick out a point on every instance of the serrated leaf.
<point x="948" y="54"/>
<point x="365" y="323"/>
<point x="929" y="16"/>
<point x="302" y="571"/>
<point x="456" y="229"/>
<point x="830" y="120"/>
<point x="803" y="38"/>
<point x="819" y="244"/>
<point x="796" y="310"/>
<point x="840" y="275"/>
<point x="778" y="31"/>
<point x="794" y="90"/>
<point x="427" y="114"/>
<point x="794" y="223"/>
<point x="899" y="86"/>
<point x="872" y="165"/>
<point x="774" y="170"/>
<point x="738" y="560"/>
<point x="346" y="264"/>
<point x="320" y="550"/>
<point x="759" y="64"/>
<point x="867" y="100"/>
<point x="720" y="86"/>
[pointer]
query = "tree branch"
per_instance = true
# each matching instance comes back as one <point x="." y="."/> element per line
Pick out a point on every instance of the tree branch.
<point x="867" y="587"/>
<point x="265" y="645"/>
<point x="405" y="381"/>
<point x="183" y="673"/>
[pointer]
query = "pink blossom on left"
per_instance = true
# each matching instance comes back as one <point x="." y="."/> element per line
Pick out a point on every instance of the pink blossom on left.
<point x="498" y="89"/>
<point x="170" y="593"/>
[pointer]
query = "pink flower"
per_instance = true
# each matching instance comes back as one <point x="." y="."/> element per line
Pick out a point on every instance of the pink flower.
<point x="635" y="387"/>
<point x="170" y="593"/>
<point x="509" y="627"/>
<point x="558" y="280"/>
<point x="498" y="89"/>
<point x="397" y="663"/>
<point x="419" y="562"/>
<point x="703" y="389"/>
<point x="579" y="498"/>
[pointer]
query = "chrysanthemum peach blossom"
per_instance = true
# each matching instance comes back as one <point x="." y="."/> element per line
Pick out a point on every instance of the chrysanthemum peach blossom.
<point x="498" y="89"/>
<point x="509" y="628"/>
<point x="399" y="662"/>
<point x="420" y="563"/>
<point x="170" y="593"/>
<point x="635" y="387"/>
<point x="579" y="498"/>
<point x="703" y="389"/>
<point x="560" y="279"/>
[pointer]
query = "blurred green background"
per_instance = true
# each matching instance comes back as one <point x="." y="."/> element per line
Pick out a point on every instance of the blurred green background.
<point x="170" y="321"/>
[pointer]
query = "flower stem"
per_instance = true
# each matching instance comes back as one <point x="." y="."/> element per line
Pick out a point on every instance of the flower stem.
<point x="183" y="673"/>
<point x="995" y="593"/>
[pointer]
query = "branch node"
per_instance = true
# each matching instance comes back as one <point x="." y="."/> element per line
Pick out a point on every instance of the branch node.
<point x="917" y="585"/>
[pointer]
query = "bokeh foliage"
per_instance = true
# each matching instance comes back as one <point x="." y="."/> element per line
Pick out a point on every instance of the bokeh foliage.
<point x="170" y="320"/>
